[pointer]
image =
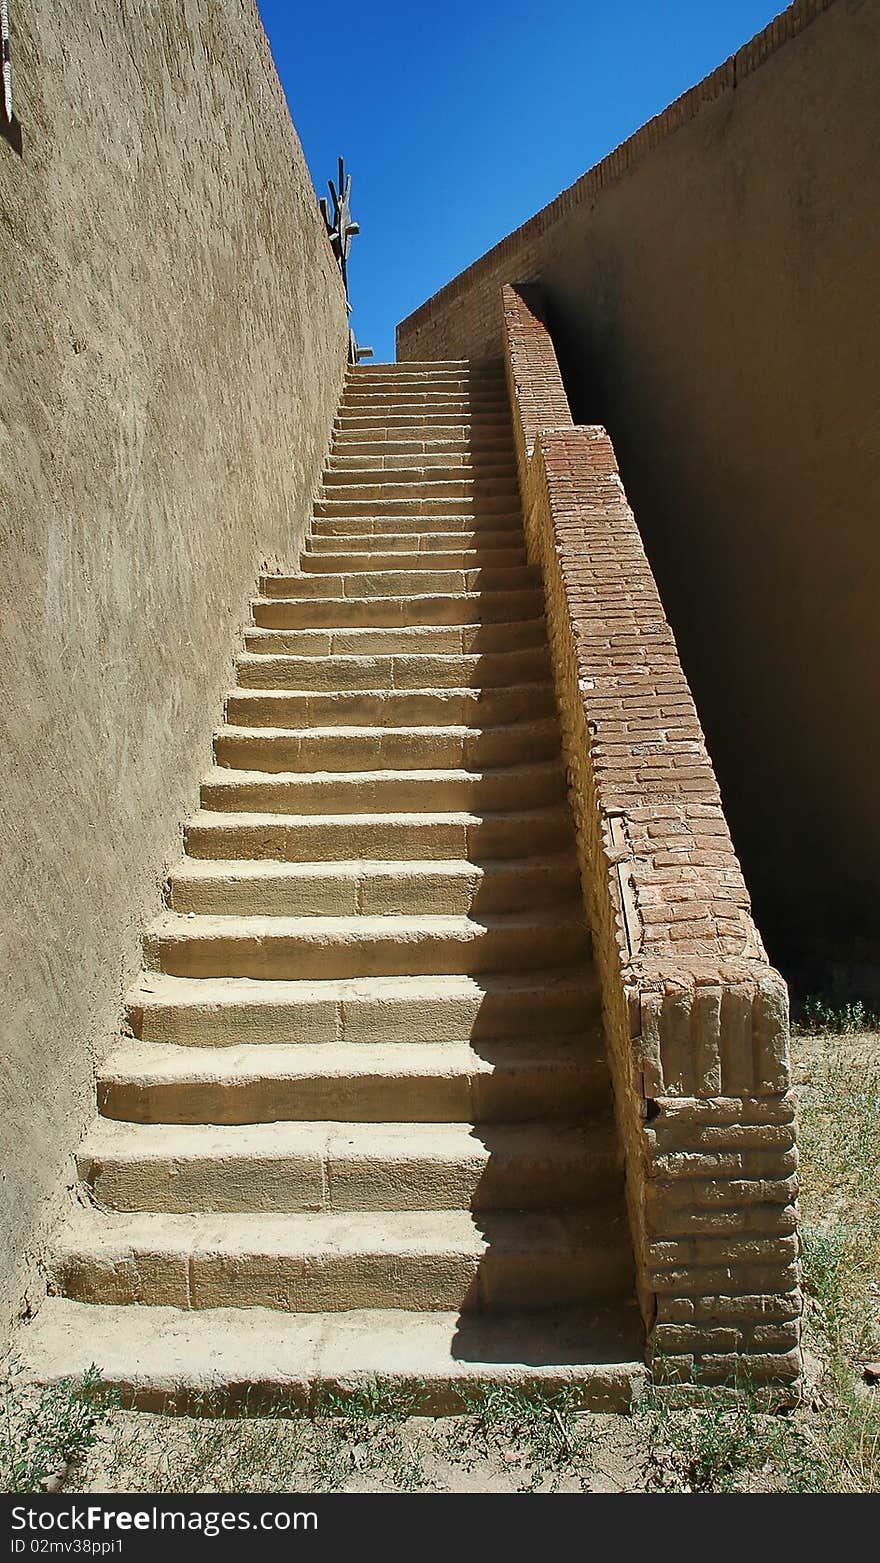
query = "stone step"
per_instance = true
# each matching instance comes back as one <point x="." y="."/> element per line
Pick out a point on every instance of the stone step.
<point x="451" y="639"/>
<point x="278" y="948"/>
<point x="340" y="563"/>
<point x="431" y="386"/>
<point x="378" y="837"/>
<point x="486" y="371"/>
<point x="462" y="379"/>
<point x="435" y="407"/>
<point x="454" y="888"/>
<point x="328" y="1262"/>
<point x="462" y="382"/>
<point x="349" y="792"/>
<point x="226" y="1012"/>
<point x="395" y="671"/>
<point x="449" y="608"/>
<point x="291" y="1166"/>
<point x="380" y="422"/>
<point x="390" y="707"/>
<point x="383" y="748"/>
<point x="409" y="467"/>
<point x="429" y="366"/>
<point x="480" y="444"/>
<point x="252" y="1358"/>
<point x="431" y="405"/>
<point x="415" y="1082"/>
<point x="368" y="584"/>
<point x="418" y="531"/>
<point x="410" y="483"/>
<point x="432" y="544"/>
<point x="386" y="502"/>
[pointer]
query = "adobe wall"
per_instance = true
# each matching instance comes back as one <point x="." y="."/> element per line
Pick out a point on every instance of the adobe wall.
<point x="175" y="342"/>
<point x="711" y="288"/>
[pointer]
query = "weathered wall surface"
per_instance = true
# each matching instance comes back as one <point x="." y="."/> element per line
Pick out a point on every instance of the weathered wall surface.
<point x="712" y="288"/>
<point x="174" y="342"/>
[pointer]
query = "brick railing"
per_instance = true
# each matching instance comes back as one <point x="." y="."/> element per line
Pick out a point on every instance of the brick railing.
<point x="696" y="1018"/>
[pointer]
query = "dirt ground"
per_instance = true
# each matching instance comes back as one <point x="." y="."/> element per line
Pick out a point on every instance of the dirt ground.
<point x="594" y="1453"/>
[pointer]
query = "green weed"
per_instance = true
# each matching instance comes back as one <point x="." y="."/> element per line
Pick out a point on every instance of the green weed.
<point x="45" y="1431"/>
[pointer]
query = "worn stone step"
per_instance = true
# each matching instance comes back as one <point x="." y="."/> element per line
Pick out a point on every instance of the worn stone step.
<point x="378" y="837"/>
<point x="427" y="395"/>
<point x="343" y="468"/>
<point x="402" y="583"/>
<point x="451" y="639"/>
<point x="250" y="1358"/>
<point x="433" y="414"/>
<point x="387" y="502"/>
<point x="338" y="562"/>
<point x="470" y="384"/>
<point x="394" y="671"/>
<point x="432" y="388"/>
<point x="291" y="1166"/>
<point x="416" y="532"/>
<point x="285" y="948"/>
<point x="328" y="1262"/>
<point x="482" y="444"/>
<point x="473" y="707"/>
<point x="465" y="375"/>
<point x="486" y="544"/>
<point x="348" y="792"/>
<point x="429" y="366"/>
<point x="380" y="422"/>
<point x="413" y="484"/>
<point x="422" y="387"/>
<point x="453" y="887"/>
<point x="226" y="1012"/>
<point x="415" y="1082"/>
<point x="383" y="748"/>
<point x="432" y="406"/>
<point x="452" y="607"/>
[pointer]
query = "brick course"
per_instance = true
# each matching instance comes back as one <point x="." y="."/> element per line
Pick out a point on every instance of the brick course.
<point x="697" y="1019"/>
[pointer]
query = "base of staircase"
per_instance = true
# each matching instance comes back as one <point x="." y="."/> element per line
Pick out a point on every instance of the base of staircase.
<point x="250" y="1359"/>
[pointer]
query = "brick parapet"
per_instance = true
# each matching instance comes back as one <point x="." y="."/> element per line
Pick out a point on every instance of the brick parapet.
<point x="697" y="1019"/>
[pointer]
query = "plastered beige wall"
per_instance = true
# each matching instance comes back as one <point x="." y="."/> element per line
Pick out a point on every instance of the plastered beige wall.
<point x="713" y="298"/>
<point x="174" y="339"/>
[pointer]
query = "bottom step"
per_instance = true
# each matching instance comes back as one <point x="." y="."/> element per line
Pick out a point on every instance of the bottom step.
<point x="251" y="1358"/>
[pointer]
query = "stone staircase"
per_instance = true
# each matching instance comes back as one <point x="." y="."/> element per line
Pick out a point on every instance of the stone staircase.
<point x="362" y="1124"/>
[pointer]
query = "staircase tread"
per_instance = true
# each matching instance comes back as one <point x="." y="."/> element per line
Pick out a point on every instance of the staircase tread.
<point x="162" y="1352"/>
<point x="261" y="817"/>
<point x="446" y="692"/>
<point x="352" y="1233"/>
<point x="578" y="980"/>
<point x="377" y="659"/>
<point x="364" y="926"/>
<point x="220" y="775"/>
<point x="166" y="1061"/>
<point x="380" y="868"/>
<point x="541" y="725"/>
<point x="115" y="1139"/>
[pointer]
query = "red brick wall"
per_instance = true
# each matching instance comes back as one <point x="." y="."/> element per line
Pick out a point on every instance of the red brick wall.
<point x="696" y="1019"/>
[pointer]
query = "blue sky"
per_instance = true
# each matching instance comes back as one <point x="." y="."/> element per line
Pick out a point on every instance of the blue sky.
<point x="458" y="121"/>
